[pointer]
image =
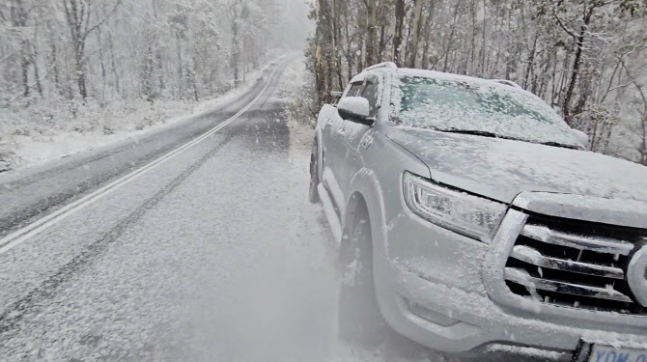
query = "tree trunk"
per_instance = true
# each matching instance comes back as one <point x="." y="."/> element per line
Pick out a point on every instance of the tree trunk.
<point x="78" y="16"/>
<point x="424" y="62"/>
<point x="483" y="48"/>
<point x="450" y="41"/>
<point x="54" y="66"/>
<point x="115" y="76"/>
<point x="102" y="65"/>
<point x="510" y="57"/>
<point x="383" y="41"/>
<point x="335" y="44"/>
<point x="235" y="57"/>
<point x="24" y="65"/>
<point x="180" y="66"/>
<point x="80" y="73"/>
<point x="371" y="33"/>
<point x="160" y="71"/>
<point x="349" y="55"/>
<point x="34" y="62"/>
<point x="412" y="53"/>
<point x="323" y="61"/>
<point x="19" y="20"/>
<point x="472" y="52"/>
<point x="397" y="35"/>
<point x="585" y="93"/>
<point x="577" y="63"/>
<point x="147" y="74"/>
<point x="193" y="78"/>
<point x="530" y="64"/>
<point x="643" y="151"/>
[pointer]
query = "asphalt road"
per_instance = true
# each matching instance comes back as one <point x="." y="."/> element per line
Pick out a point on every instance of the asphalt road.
<point x="27" y="194"/>
<point x="213" y="255"/>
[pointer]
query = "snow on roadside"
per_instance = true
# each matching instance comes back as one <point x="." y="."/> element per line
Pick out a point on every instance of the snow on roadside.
<point x="291" y="91"/>
<point x="50" y="131"/>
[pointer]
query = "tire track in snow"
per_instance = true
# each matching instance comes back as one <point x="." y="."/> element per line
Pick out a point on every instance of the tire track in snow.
<point x="14" y="313"/>
<point x="23" y="234"/>
<point x="129" y="157"/>
<point x="11" y="317"/>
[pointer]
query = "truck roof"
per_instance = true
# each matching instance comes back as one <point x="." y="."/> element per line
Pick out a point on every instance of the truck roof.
<point x="392" y="67"/>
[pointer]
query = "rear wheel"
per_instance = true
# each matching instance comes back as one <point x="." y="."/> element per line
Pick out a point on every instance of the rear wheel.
<point x="314" y="174"/>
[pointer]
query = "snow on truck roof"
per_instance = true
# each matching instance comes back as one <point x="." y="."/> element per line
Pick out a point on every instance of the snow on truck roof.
<point x="504" y="83"/>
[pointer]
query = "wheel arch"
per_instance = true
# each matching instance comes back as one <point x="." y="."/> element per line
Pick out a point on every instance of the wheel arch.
<point x="365" y="190"/>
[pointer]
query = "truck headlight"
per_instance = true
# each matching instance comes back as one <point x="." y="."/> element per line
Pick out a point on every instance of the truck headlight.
<point x="460" y="212"/>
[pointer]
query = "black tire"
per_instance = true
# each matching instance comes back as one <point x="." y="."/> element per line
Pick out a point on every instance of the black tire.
<point x="359" y="320"/>
<point x="314" y="174"/>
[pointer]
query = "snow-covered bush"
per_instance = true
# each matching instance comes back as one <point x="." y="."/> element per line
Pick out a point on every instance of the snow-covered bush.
<point x="298" y="88"/>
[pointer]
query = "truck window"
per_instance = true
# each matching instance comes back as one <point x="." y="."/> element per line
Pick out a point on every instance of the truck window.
<point x="370" y="93"/>
<point x="355" y="90"/>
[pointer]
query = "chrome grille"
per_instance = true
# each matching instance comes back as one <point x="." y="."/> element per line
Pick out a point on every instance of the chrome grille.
<point x="574" y="264"/>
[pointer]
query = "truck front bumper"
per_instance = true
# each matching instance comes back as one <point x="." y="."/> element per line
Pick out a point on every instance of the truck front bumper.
<point x="436" y="288"/>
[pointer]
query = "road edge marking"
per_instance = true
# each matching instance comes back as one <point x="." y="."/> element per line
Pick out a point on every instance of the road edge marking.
<point x="23" y="234"/>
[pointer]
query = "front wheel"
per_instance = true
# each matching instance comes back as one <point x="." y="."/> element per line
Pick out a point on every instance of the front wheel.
<point x="314" y="174"/>
<point x="360" y="321"/>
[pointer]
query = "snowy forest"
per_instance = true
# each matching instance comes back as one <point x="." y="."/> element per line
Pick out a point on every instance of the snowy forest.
<point x="77" y="65"/>
<point x="586" y="58"/>
<point x="131" y="48"/>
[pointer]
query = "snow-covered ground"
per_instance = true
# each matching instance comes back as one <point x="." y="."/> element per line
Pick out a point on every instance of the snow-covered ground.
<point x="49" y="131"/>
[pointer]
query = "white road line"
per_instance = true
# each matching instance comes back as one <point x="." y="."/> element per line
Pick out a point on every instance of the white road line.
<point x="18" y="237"/>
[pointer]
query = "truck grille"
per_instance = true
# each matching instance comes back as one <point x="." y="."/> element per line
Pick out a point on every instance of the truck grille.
<point x="574" y="264"/>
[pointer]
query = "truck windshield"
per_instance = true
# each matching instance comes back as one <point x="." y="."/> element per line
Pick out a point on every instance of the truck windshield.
<point x="451" y="105"/>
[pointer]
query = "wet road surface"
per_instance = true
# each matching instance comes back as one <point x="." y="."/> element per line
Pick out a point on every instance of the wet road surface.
<point x="27" y="194"/>
<point x="215" y="255"/>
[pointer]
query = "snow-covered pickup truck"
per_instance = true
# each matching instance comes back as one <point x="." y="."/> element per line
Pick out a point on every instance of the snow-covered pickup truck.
<point x="472" y="220"/>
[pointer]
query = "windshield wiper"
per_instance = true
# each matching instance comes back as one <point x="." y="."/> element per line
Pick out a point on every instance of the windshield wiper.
<point x="557" y="144"/>
<point x="478" y="133"/>
<point x="494" y="135"/>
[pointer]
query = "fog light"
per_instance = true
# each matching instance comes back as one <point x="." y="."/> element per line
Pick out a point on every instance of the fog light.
<point x="430" y="315"/>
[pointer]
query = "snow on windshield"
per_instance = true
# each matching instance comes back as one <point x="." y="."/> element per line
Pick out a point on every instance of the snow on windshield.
<point x="464" y="105"/>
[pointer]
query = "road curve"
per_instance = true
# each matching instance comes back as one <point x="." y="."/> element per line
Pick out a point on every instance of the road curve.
<point x="215" y="254"/>
<point x="27" y="195"/>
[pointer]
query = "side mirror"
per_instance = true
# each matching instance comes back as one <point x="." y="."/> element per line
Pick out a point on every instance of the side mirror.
<point x="581" y="136"/>
<point x="355" y="109"/>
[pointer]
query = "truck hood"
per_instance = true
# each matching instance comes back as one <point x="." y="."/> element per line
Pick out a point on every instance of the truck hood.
<point x="501" y="169"/>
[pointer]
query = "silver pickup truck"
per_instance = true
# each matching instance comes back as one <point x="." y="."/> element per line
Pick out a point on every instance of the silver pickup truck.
<point x="472" y="220"/>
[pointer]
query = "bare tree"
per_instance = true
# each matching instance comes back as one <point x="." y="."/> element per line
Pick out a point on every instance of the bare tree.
<point x="416" y="29"/>
<point x="78" y="14"/>
<point x="399" y="27"/>
<point x="19" y="22"/>
<point x="371" y="31"/>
